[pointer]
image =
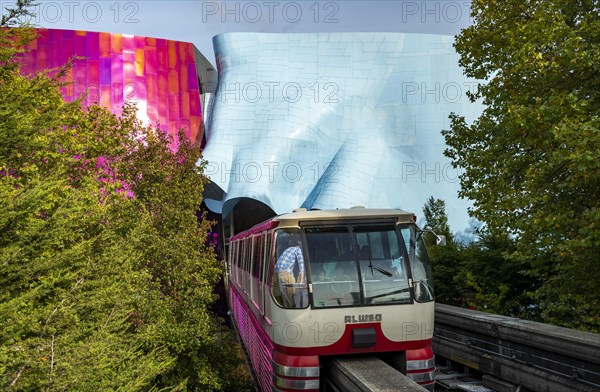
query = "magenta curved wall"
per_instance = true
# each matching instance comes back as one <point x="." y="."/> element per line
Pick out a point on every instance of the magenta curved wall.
<point x="158" y="74"/>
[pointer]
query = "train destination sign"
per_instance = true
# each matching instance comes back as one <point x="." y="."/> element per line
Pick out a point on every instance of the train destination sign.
<point x="363" y="318"/>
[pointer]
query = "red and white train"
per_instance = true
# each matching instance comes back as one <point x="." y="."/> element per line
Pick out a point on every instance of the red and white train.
<point x="364" y="286"/>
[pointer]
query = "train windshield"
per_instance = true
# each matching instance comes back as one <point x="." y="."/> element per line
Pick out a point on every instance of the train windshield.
<point x="367" y="265"/>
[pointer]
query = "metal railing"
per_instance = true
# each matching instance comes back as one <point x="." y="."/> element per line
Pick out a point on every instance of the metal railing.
<point x="533" y="355"/>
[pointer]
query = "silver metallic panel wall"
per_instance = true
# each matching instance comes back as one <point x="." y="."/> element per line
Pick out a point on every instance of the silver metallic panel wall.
<point x="333" y="120"/>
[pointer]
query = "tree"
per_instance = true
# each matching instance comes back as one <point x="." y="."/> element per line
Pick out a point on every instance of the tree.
<point x="478" y="274"/>
<point x="436" y="218"/>
<point x="489" y="280"/>
<point x="531" y="160"/>
<point x="445" y="261"/>
<point x="106" y="277"/>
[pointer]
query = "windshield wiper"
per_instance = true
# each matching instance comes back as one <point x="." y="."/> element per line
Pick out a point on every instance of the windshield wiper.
<point x="390" y="293"/>
<point x="385" y="272"/>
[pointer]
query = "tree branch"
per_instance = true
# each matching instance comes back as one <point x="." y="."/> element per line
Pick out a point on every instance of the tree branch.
<point x="63" y="300"/>
<point x="14" y="14"/>
<point x="52" y="356"/>
<point x="18" y="375"/>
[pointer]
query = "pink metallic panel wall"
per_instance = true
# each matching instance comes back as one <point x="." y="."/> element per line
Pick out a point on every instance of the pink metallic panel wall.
<point x="159" y="75"/>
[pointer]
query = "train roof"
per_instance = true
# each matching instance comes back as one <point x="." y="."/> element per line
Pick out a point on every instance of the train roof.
<point x="302" y="215"/>
<point x="345" y="213"/>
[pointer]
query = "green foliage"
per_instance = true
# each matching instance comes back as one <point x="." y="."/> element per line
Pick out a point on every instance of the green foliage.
<point x="436" y="219"/>
<point x="494" y="282"/>
<point x="478" y="274"/>
<point x="444" y="260"/>
<point x="105" y="274"/>
<point x="12" y="41"/>
<point x="532" y="160"/>
<point x="14" y="15"/>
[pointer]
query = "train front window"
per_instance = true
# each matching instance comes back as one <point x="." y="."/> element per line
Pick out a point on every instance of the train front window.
<point x="382" y="266"/>
<point x="333" y="267"/>
<point x="357" y="266"/>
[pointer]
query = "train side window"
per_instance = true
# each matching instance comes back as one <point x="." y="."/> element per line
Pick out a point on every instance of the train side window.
<point x="236" y="261"/>
<point x="243" y="258"/>
<point x="257" y="259"/>
<point x="267" y="258"/>
<point x="247" y="258"/>
<point x="239" y="259"/>
<point x="239" y="254"/>
<point x="232" y="258"/>
<point x="421" y="271"/>
<point x="251" y="260"/>
<point x="289" y="289"/>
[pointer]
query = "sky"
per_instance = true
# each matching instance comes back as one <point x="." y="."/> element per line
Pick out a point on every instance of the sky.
<point x="199" y="21"/>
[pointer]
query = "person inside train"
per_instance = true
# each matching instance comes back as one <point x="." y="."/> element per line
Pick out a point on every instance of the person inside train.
<point x="290" y="261"/>
<point x="342" y="284"/>
<point x="341" y="272"/>
<point x="319" y="274"/>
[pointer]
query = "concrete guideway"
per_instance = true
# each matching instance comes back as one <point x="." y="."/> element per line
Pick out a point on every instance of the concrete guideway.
<point x="366" y="374"/>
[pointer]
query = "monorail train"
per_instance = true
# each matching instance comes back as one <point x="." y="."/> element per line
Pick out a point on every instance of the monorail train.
<point x="308" y="285"/>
